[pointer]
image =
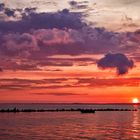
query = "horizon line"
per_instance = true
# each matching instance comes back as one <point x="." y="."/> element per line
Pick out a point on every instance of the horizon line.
<point x="65" y="103"/>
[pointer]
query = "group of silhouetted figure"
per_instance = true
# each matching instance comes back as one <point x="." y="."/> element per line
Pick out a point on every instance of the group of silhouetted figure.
<point x="15" y="110"/>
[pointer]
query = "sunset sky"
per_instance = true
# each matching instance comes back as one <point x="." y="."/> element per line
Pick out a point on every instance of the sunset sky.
<point x="69" y="51"/>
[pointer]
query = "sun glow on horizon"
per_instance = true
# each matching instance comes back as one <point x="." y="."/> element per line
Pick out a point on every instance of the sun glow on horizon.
<point x="135" y="100"/>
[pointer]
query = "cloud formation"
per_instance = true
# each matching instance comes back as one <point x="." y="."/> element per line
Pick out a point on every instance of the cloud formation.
<point x="2" y="6"/>
<point x="61" y="83"/>
<point x="118" y="61"/>
<point x="36" y="36"/>
<point x="78" y="5"/>
<point x="9" y="12"/>
<point x="50" y="37"/>
<point x="32" y="20"/>
<point x="19" y="44"/>
<point x="60" y="94"/>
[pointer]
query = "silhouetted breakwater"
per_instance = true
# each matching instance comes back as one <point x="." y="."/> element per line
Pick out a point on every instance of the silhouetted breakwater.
<point x="15" y="110"/>
<point x="110" y="109"/>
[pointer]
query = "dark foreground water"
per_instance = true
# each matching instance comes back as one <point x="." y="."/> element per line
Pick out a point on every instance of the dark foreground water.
<point x="69" y="125"/>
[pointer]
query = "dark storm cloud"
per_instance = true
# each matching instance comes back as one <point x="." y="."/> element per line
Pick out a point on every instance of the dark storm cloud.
<point x="73" y="42"/>
<point x="39" y="35"/>
<point x="37" y="45"/>
<point x="2" y="6"/>
<point x="62" y="32"/>
<point x="43" y="41"/>
<point x="28" y="11"/>
<point x="18" y="45"/>
<point x="118" y="61"/>
<point x="62" y="19"/>
<point x="9" y="12"/>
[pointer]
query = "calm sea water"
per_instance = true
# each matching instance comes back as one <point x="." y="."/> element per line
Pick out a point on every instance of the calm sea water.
<point x="69" y="125"/>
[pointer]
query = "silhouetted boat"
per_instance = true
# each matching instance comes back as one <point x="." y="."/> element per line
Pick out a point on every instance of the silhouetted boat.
<point x="87" y="111"/>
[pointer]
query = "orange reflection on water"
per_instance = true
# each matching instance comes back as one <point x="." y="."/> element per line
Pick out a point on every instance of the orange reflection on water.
<point x="135" y="123"/>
